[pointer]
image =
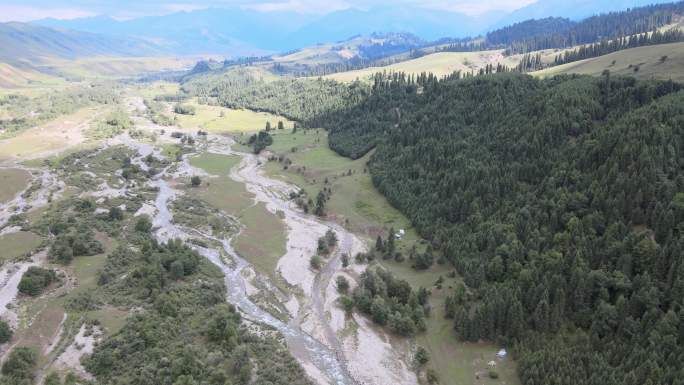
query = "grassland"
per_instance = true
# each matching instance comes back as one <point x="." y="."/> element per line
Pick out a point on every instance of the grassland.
<point x="217" y="119"/>
<point x="225" y="194"/>
<point x="157" y="88"/>
<point x="262" y="240"/>
<point x="354" y="201"/>
<point x="358" y="205"/>
<point x="641" y="62"/>
<point x="45" y="318"/>
<point x="440" y="64"/>
<point x="263" y="236"/>
<point x="113" y="67"/>
<point x="12" y="181"/>
<point x="15" y="245"/>
<point x="12" y="78"/>
<point x="220" y="191"/>
<point x="55" y="136"/>
<point x="85" y="270"/>
<point x="215" y="164"/>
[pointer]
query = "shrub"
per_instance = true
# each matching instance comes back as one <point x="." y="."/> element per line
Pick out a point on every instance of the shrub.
<point x="493" y="375"/>
<point x="83" y="301"/>
<point x="195" y="181"/>
<point x="144" y="224"/>
<point x="347" y="304"/>
<point x="61" y="250"/>
<point x="345" y="260"/>
<point x="342" y="284"/>
<point x="20" y="365"/>
<point x="184" y="109"/>
<point x="53" y="379"/>
<point x="315" y="262"/>
<point x="115" y="214"/>
<point x="391" y="301"/>
<point x="35" y="280"/>
<point x="72" y="242"/>
<point x="5" y="332"/>
<point x="432" y="377"/>
<point x="260" y="141"/>
<point x="422" y="357"/>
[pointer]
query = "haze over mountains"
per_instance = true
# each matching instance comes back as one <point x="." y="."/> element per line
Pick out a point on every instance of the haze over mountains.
<point x="237" y="31"/>
<point x="22" y="41"/>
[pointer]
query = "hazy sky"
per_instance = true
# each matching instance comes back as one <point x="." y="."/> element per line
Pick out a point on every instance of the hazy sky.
<point x="25" y="10"/>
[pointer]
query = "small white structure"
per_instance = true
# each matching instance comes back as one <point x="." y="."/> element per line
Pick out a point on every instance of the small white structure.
<point x="400" y="234"/>
<point x="491" y="364"/>
<point x="502" y="353"/>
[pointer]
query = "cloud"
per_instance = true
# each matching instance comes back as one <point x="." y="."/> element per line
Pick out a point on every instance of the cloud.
<point x="300" y="6"/>
<point x="471" y="7"/>
<point x="25" y="10"/>
<point x="183" y="7"/>
<point x="27" y="13"/>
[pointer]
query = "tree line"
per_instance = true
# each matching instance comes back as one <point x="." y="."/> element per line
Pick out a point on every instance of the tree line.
<point x="535" y="35"/>
<point x="605" y="47"/>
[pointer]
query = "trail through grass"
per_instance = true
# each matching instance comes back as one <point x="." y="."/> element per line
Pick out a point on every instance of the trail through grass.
<point x="641" y="62"/>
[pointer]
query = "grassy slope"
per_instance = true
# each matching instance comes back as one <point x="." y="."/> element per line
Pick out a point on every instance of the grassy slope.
<point x="57" y="135"/>
<point x="354" y="198"/>
<point x="112" y="67"/>
<point x="216" y="119"/>
<point x="32" y="43"/>
<point x="440" y="64"/>
<point x="623" y="63"/>
<point x="12" y="78"/>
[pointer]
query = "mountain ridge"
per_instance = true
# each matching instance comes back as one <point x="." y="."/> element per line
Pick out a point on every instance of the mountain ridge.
<point x="24" y="44"/>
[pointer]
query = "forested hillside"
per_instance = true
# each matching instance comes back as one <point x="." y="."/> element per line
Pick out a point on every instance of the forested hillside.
<point x="559" y="201"/>
<point x="301" y="100"/>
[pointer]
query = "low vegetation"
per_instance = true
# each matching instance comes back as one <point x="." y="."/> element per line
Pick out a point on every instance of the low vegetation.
<point x="112" y="125"/>
<point x="12" y="182"/>
<point x="5" y="332"/>
<point x="260" y="141"/>
<point x="24" y="112"/>
<point x="391" y="302"/>
<point x="180" y="290"/>
<point x="184" y="109"/>
<point x="35" y="280"/>
<point x="19" y="366"/>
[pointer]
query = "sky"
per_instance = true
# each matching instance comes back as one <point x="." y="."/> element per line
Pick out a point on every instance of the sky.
<point x="27" y="10"/>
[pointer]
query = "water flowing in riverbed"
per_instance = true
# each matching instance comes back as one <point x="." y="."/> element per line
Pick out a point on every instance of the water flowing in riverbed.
<point x="308" y="350"/>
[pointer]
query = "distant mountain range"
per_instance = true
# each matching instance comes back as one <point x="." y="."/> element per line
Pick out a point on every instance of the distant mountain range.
<point x="239" y="32"/>
<point x="28" y="44"/>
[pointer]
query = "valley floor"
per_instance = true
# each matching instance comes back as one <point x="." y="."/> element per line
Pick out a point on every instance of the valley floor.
<point x="241" y="218"/>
